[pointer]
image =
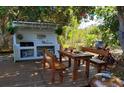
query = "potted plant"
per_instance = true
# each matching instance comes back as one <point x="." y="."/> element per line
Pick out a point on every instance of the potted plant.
<point x="11" y="29"/>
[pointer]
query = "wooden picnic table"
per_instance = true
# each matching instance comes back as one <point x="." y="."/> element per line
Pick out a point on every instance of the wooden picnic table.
<point x="77" y="56"/>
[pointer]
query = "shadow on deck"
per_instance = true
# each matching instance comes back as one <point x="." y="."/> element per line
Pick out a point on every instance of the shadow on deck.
<point x="30" y="74"/>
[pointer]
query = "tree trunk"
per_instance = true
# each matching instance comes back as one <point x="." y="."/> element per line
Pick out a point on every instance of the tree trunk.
<point x="4" y="34"/>
<point x="120" y="15"/>
<point x="4" y="42"/>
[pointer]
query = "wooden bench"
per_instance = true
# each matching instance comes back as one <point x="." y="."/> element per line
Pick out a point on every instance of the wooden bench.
<point x="101" y="52"/>
<point x="51" y="62"/>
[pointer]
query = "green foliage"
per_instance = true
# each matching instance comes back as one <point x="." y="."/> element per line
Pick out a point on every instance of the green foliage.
<point x="58" y="31"/>
<point x="109" y="29"/>
<point x="89" y="40"/>
<point x="3" y="10"/>
<point x="11" y="29"/>
<point x="91" y="35"/>
<point x="74" y="37"/>
<point x="109" y="14"/>
<point x="70" y="35"/>
<point x="30" y="13"/>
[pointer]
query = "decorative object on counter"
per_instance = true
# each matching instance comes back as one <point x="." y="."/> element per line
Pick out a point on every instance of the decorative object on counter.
<point x="20" y="36"/>
<point x="99" y="44"/>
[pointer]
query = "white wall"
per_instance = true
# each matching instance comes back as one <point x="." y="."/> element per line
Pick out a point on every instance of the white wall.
<point x="31" y="35"/>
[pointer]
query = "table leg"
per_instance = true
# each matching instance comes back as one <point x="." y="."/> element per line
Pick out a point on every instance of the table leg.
<point x="69" y="62"/>
<point x="87" y="68"/>
<point x="75" y="70"/>
<point x="79" y="62"/>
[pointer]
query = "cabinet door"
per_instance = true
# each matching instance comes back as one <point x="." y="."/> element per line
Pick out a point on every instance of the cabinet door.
<point x="25" y="53"/>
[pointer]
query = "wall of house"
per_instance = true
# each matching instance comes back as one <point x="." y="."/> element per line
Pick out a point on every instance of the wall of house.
<point x="30" y="35"/>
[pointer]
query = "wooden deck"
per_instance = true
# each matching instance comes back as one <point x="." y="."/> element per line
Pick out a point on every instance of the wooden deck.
<point x="30" y="74"/>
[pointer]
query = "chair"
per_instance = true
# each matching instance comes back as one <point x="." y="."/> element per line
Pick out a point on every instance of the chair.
<point x="51" y="62"/>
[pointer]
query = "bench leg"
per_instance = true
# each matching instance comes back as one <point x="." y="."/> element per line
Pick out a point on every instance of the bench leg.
<point x="87" y="68"/>
<point x="99" y="68"/>
<point x="43" y="63"/>
<point x="61" y="76"/>
<point x="53" y="76"/>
